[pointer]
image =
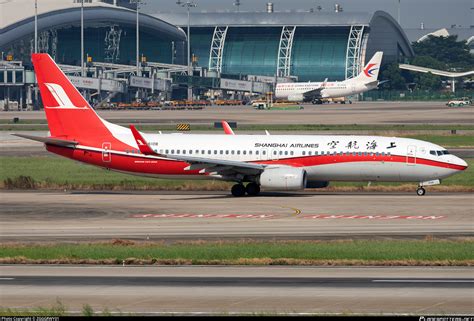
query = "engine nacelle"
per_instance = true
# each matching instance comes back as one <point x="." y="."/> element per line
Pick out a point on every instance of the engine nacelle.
<point x="283" y="179"/>
<point x="296" y="97"/>
<point x="317" y="184"/>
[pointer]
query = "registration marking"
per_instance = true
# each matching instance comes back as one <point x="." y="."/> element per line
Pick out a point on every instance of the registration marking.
<point x="252" y="216"/>
<point x="373" y="217"/>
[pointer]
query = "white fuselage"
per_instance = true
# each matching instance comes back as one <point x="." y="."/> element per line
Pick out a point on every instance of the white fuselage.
<point x="325" y="158"/>
<point x="295" y="91"/>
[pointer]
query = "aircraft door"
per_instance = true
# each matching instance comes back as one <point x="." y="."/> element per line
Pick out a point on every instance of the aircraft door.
<point x="106" y="155"/>
<point x="411" y="155"/>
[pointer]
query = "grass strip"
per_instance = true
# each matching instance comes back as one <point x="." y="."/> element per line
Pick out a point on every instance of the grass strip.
<point x="347" y="252"/>
<point x="41" y="125"/>
<point x="51" y="172"/>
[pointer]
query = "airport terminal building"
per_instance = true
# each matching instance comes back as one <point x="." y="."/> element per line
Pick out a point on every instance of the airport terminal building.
<point x="307" y="46"/>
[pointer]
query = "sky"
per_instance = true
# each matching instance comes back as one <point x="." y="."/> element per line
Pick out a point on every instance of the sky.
<point x="432" y="13"/>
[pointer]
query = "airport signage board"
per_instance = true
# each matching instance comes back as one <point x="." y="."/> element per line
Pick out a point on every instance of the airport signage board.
<point x="239" y="85"/>
<point x="97" y="84"/>
<point x="143" y="82"/>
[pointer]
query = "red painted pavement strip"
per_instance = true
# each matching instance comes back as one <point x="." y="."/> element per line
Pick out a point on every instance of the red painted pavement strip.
<point x="319" y="216"/>
<point x="202" y="215"/>
<point x="374" y="217"/>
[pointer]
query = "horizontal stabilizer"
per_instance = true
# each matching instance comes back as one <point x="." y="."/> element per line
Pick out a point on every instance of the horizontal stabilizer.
<point x="50" y="140"/>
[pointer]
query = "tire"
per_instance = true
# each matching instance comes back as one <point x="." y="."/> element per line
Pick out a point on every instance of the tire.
<point x="252" y="189"/>
<point x="238" y="190"/>
<point x="420" y="191"/>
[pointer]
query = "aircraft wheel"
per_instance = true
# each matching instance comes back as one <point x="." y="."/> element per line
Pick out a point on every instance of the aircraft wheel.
<point x="252" y="189"/>
<point x="238" y="190"/>
<point x="420" y="191"/>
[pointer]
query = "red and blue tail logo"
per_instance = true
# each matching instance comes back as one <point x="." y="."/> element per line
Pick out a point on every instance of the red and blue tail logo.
<point x="369" y="70"/>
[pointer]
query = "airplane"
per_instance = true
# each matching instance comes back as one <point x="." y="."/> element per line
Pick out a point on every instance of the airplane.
<point x="276" y="162"/>
<point x="316" y="91"/>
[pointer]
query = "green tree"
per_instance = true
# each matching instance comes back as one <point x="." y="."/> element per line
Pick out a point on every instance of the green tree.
<point x="392" y="73"/>
<point x="447" y="50"/>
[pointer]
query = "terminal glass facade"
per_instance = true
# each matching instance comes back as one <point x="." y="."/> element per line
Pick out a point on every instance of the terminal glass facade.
<point x="113" y="43"/>
<point x="319" y="53"/>
<point x="251" y="51"/>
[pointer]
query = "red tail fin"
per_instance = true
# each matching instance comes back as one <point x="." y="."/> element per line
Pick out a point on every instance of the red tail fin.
<point x="69" y="115"/>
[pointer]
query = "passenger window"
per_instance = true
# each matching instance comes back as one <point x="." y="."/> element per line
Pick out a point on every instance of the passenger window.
<point x="172" y="151"/>
<point x="203" y="152"/>
<point x="432" y="152"/>
<point x="256" y="152"/>
<point x="238" y="152"/>
<point x="303" y="153"/>
<point x="209" y="152"/>
<point x="184" y="152"/>
<point x="215" y="152"/>
<point x="250" y="152"/>
<point x="190" y="152"/>
<point x="274" y="152"/>
<point x="161" y="151"/>
<point x="222" y="152"/>
<point x="439" y="153"/>
<point x="264" y="152"/>
<point x="286" y="152"/>
<point x="244" y="152"/>
<point x="232" y="152"/>
<point x="167" y="151"/>
<point x="227" y="152"/>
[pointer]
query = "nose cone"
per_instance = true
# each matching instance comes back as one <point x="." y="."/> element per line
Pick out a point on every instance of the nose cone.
<point x="461" y="163"/>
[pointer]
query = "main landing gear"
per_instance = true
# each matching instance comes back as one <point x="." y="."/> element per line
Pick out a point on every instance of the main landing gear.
<point x="420" y="191"/>
<point x="252" y="189"/>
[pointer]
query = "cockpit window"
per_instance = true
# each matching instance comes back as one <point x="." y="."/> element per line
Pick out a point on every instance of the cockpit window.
<point x="439" y="152"/>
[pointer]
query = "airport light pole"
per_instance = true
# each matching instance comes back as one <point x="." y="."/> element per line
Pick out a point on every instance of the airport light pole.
<point x="36" y="26"/>
<point x="188" y="4"/>
<point x="137" y="2"/>
<point x="82" y="39"/>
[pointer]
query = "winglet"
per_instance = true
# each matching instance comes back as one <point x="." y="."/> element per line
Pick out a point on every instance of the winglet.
<point x="141" y="142"/>
<point x="227" y="129"/>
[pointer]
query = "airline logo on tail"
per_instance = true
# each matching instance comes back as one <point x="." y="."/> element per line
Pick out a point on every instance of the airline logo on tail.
<point x="61" y="97"/>
<point x="369" y="71"/>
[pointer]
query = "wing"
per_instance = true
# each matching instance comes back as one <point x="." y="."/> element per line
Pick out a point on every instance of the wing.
<point x="316" y="93"/>
<point x="204" y="165"/>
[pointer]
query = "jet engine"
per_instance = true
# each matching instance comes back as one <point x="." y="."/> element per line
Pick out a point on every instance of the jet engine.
<point x="283" y="179"/>
<point x="296" y="97"/>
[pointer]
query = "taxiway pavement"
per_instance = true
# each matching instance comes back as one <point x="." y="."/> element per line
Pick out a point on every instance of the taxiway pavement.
<point x="220" y="289"/>
<point x="87" y="216"/>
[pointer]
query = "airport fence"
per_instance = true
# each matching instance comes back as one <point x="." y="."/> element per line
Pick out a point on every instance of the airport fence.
<point x="418" y="95"/>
